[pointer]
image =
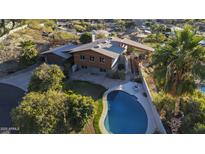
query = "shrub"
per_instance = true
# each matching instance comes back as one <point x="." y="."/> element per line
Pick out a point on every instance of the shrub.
<point x="199" y="129"/>
<point x="155" y="38"/>
<point x="47" y="29"/>
<point x="50" y="23"/>
<point x="86" y="38"/>
<point x="29" y="54"/>
<point x="34" y="24"/>
<point x="66" y="70"/>
<point x="192" y="107"/>
<point x="138" y="79"/>
<point x="101" y="26"/>
<point x="121" y="74"/>
<point x="79" y="28"/>
<point x="64" y="36"/>
<point x="100" y="36"/>
<point x="113" y="34"/>
<point x="121" y="67"/>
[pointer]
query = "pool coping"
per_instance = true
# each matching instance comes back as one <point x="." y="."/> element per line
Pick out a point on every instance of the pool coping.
<point x="104" y="113"/>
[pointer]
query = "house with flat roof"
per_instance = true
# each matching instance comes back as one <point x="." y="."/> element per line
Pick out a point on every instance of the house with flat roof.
<point x="101" y="55"/>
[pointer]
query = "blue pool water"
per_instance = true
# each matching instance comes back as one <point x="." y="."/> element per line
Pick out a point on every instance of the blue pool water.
<point x="202" y="89"/>
<point x="125" y="114"/>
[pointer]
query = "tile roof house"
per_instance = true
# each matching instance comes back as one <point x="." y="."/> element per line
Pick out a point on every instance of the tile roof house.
<point x="101" y="54"/>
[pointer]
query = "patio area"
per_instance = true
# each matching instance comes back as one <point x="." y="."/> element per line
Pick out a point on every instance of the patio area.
<point x="98" y="79"/>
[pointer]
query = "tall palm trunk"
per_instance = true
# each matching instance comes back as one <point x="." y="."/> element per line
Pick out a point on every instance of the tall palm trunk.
<point x="177" y="106"/>
<point x="3" y="26"/>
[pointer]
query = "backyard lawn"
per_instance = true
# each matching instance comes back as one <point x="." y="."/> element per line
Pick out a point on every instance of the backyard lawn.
<point x="96" y="92"/>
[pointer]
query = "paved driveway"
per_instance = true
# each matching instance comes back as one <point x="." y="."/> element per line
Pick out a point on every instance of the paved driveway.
<point x="20" y="79"/>
<point x="97" y="79"/>
<point x="12" y="89"/>
<point x="9" y="98"/>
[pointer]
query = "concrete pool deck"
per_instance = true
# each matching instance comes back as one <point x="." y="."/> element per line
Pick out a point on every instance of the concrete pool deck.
<point x="129" y="88"/>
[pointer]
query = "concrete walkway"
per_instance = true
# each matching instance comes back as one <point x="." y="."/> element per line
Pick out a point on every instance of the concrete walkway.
<point x="19" y="79"/>
<point x="98" y="79"/>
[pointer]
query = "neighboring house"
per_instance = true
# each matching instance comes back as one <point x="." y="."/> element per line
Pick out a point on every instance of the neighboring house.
<point x="101" y="55"/>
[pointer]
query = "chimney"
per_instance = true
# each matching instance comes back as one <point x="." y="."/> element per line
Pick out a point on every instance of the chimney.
<point x="93" y="37"/>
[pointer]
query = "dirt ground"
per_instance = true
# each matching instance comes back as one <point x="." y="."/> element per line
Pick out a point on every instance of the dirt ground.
<point x="10" y="50"/>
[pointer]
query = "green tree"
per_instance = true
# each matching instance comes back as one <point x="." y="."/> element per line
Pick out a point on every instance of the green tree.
<point x="86" y="38"/>
<point x="199" y="129"/>
<point x="194" y="111"/>
<point x="46" y="77"/>
<point x="158" y="28"/>
<point x="193" y="107"/>
<point x="52" y="112"/>
<point x="129" y="24"/>
<point x="120" y="24"/>
<point x="160" y="37"/>
<point x="179" y="64"/>
<point x="3" y="29"/>
<point x="155" y="38"/>
<point x="80" y="110"/>
<point x="41" y="113"/>
<point x="29" y="54"/>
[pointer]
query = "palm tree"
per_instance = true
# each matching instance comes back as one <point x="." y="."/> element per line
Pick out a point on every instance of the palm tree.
<point x="179" y="64"/>
<point x="27" y="44"/>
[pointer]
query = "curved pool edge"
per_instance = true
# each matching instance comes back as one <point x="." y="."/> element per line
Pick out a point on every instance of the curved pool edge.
<point x="104" y="113"/>
<point x="105" y="110"/>
<point x="151" y="127"/>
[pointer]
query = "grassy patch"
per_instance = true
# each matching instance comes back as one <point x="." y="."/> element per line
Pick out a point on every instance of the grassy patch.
<point x="97" y="117"/>
<point x="93" y="90"/>
<point x="85" y="88"/>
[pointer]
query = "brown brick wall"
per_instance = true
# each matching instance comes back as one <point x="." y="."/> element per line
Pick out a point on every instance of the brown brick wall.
<point x="96" y="63"/>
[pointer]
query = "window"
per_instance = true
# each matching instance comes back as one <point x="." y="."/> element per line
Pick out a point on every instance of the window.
<point x="82" y="57"/>
<point x="92" y="58"/>
<point x="102" y="70"/>
<point x="102" y="60"/>
<point x="84" y="67"/>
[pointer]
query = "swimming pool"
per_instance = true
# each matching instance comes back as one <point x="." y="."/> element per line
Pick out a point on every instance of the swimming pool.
<point x="202" y="88"/>
<point x="125" y="114"/>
